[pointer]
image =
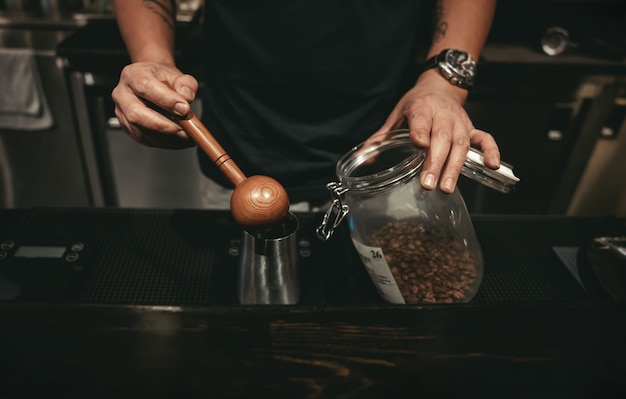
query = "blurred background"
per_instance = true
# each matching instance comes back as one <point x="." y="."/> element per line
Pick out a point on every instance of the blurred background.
<point x="551" y="88"/>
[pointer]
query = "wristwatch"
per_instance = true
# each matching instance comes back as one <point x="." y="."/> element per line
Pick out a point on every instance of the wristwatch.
<point x="457" y="66"/>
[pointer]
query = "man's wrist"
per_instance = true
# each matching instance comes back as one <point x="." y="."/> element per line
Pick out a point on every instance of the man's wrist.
<point x="432" y="78"/>
<point x="456" y="66"/>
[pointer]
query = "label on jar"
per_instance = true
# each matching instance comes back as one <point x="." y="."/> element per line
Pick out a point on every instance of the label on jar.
<point x="374" y="261"/>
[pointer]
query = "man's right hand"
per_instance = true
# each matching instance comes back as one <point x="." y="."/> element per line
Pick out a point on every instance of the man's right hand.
<point x="145" y="106"/>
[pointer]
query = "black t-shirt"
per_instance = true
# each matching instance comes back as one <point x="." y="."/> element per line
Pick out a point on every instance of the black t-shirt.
<point x="292" y="85"/>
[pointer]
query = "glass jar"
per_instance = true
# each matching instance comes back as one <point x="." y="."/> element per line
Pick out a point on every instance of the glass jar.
<point x="418" y="246"/>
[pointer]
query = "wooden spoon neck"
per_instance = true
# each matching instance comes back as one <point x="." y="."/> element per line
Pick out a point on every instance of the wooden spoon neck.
<point x="237" y="178"/>
<point x="192" y="125"/>
<point x="209" y="145"/>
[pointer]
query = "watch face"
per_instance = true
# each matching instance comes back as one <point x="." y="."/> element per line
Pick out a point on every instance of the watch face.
<point x="461" y="62"/>
<point x="458" y="66"/>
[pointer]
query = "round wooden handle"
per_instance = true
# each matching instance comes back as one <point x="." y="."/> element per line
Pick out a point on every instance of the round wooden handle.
<point x="259" y="201"/>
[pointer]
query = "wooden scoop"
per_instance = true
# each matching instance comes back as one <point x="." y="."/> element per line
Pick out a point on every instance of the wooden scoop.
<point x="257" y="201"/>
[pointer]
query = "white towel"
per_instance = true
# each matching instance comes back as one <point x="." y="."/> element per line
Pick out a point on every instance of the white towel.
<point x="23" y="104"/>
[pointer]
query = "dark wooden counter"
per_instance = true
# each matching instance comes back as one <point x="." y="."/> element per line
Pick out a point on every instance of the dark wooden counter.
<point x="155" y="318"/>
<point x="487" y="351"/>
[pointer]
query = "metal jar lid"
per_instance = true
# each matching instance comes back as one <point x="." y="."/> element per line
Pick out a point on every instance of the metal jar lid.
<point x="502" y="179"/>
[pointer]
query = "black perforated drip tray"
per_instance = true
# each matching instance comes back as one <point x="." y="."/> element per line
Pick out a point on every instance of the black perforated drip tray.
<point x="189" y="257"/>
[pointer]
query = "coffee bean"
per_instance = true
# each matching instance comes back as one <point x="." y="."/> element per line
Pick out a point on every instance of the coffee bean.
<point x="428" y="264"/>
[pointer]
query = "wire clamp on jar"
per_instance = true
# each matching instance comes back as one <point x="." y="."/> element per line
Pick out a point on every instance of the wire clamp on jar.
<point x="336" y="212"/>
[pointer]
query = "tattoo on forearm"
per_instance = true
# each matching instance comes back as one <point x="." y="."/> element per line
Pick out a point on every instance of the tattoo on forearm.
<point x="440" y="26"/>
<point x="164" y="9"/>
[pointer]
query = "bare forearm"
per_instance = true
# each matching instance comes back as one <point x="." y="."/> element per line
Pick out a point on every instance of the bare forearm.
<point x="147" y="27"/>
<point x="462" y="24"/>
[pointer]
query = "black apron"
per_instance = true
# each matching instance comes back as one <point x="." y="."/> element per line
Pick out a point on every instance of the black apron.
<point x="290" y="86"/>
